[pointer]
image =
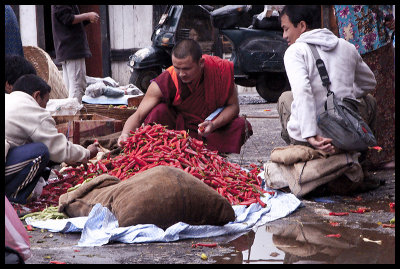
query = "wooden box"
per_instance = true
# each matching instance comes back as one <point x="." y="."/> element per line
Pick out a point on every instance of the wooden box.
<point x="135" y="101"/>
<point x="83" y="126"/>
<point x="115" y="112"/>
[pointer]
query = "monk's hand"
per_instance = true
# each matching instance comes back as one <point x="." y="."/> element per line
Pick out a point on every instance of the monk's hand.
<point x="205" y="128"/>
<point x="122" y="140"/>
<point x="322" y="143"/>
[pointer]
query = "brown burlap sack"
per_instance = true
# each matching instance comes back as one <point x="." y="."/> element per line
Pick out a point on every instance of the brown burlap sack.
<point x="303" y="177"/>
<point x="79" y="202"/>
<point x="295" y="153"/>
<point x="162" y="196"/>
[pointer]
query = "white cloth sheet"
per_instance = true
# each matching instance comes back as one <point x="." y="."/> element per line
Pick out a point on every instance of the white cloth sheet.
<point x="101" y="226"/>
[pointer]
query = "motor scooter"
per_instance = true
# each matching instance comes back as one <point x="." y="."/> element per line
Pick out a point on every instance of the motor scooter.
<point x="177" y="22"/>
<point x="257" y="50"/>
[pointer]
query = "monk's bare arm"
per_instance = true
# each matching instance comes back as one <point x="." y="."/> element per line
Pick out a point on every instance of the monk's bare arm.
<point x="151" y="99"/>
<point x="230" y="111"/>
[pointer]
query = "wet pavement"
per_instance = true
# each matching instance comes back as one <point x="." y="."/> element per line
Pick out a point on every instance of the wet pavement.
<point x="309" y="235"/>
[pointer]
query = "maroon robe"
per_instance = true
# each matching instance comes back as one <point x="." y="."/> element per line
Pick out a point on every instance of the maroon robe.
<point x="194" y="105"/>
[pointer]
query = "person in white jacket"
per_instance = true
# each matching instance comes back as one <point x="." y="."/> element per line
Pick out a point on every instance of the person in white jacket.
<point x="349" y="75"/>
<point x="32" y="138"/>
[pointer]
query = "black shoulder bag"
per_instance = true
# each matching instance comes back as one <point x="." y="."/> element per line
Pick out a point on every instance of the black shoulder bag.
<point x="340" y="119"/>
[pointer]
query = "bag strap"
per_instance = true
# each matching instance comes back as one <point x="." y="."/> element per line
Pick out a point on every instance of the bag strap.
<point x="323" y="73"/>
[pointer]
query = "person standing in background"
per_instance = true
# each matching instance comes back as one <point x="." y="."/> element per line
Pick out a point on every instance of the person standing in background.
<point x="71" y="45"/>
<point x="370" y="29"/>
<point x="13" y="43"/>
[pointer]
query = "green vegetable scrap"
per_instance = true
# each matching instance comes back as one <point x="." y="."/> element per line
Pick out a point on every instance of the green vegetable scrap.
<point x="50" y="212"/>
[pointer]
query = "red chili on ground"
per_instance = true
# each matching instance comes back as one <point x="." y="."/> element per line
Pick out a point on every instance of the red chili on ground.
<point x="209" y="245"/>
<point x="333" y="235"/>
<point x="338" y="213"/>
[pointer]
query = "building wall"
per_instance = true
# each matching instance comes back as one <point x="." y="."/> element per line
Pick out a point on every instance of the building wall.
<point x="27" y="25"/>
<point x="130" y="27"/>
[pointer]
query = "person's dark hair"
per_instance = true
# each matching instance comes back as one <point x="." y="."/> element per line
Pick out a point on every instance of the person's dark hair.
<point x="31" y="83"/>
<point x="311" y="14"/>
<point x="187" y="47"/>
<point x="16" y="66"/>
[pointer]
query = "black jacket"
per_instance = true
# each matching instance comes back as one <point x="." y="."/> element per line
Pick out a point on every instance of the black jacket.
<point x="70" y="41"/>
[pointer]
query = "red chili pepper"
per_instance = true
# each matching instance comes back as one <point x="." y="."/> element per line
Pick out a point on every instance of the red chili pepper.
<point x="259" y="201"/>
<point x="388" y="225"/>
<point x="102" y="167"/>
<point x="378" y="148"/>
<point x="248" y="202"/>
<point x="338" y="213"/>
<point x="361" y="210"/>
<point x="209" y="245"/>
<point x="119" y="172"/>
<point x="29" y="227"/>
<point x="333" y="235"/>
<point x="191" y="151"/>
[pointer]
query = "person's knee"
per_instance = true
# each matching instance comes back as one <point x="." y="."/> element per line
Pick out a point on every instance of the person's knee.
<point x="285" y="101"/>
<point x="158" y="111"/>
<point x="368" y="110"/>
<point x="371" y="101"/>
<point x="42" y="151"/>
<point x="42" y="148"/>
<point x="161" y="114"/>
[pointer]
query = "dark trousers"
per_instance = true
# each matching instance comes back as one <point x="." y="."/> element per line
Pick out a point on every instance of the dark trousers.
<point x="24" y="166"/>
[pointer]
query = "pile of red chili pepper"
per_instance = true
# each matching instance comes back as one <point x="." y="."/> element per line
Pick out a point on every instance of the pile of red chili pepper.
<point x="153" y="145"/>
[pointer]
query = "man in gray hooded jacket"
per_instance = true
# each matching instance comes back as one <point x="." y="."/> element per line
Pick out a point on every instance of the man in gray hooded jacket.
<point x="349" y="75"/>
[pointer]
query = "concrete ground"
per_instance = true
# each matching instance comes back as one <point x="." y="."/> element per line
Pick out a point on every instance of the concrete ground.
<point x="309" y="235"/>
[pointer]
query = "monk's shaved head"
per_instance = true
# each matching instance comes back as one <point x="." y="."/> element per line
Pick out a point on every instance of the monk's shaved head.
<point x="187" y="47"/>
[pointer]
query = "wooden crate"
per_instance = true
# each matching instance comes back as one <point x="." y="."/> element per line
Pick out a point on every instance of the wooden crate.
<point x="121" y="114"/>
<point x="83" y="126"/>
<point x="113" y="111"/>
<point x="135" y="101"/>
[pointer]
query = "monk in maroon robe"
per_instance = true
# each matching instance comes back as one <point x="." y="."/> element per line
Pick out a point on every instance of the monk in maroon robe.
<point x="184" y="95"/>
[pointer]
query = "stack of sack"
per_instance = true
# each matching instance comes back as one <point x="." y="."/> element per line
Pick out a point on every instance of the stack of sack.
<point x="302" y="169"/>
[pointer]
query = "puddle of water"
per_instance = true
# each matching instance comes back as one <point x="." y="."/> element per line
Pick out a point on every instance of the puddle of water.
<point x="294" y="242"/>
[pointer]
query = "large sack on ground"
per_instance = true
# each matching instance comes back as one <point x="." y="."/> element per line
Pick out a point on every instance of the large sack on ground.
<point x="162" y="196"/>
<point x="79" y="202"/>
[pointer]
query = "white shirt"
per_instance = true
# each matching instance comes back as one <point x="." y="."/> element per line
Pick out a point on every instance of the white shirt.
<point x="27" y="122"/>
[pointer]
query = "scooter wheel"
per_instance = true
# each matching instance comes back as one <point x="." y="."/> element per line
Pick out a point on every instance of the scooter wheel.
<point x="141" y="77"/>
<point x="270" y="86"/>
